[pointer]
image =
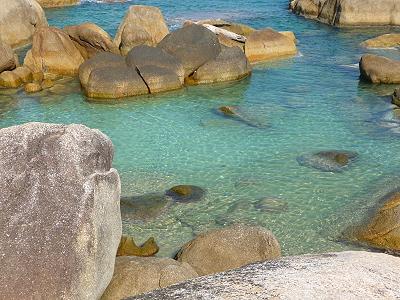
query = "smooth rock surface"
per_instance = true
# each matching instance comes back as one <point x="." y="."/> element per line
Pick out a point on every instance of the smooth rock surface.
<point x="229" y="248"/>
<point x="53" y="52"/>
<point x="142" y="25"/>
<point x="60" y="215"/>
<point x="193" y="45"/>
<point x="137" y="275"/>
<point x="343" y="275"/>
<point x="268" y="44"/>
<point x="9" y="79"/>
<point x="18" y="21"/>
<point x="350" y="12"/>
<point x="379" y="69"/>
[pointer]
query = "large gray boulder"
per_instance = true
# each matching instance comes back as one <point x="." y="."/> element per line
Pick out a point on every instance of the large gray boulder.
<point x="379" y="69"/>
<point x="142" y="25"/>
<point x="137" y="275"/>
<point x="193" y="45"/>
<point x="345" y="275"/>
<point x="18" y="21"/>
<point x="60" y="217"/>
<point x="350" y="12"/>
<point x="229" y="248"/>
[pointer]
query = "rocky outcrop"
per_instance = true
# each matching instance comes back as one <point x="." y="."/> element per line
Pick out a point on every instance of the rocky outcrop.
<point x="18" y="21"/>
<point x="229" y="248"/>
<point x="349" y="12"/>
<point x="379" y="69"/>
<point x="90" y="39"/>
<point x="8" y="60"/>
<point x="345" y="275"/>
<point x="193" y="45"/>
<point x="383" y="41"/>
<point x="53" y="52"/>
<point x="382" y="229"/>
<point x="60" y="215"/>
<point x="328" y="161"/>
<point x="142" y="25"/>
<point x="57" y="3"/>
<point x="268" y="44"/>
<point x="137" y="275"/>
<point x="230" y="64"/>
<point x="128" y="247"/>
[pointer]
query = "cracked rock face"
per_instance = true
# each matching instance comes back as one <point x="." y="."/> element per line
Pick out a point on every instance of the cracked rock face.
<point x="60" y="215"/>
<point x="344" y="275"/>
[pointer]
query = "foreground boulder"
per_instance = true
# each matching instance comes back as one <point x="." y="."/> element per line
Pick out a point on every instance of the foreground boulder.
<point x="57" y="3"/>
<point x="137" y="275"/>
<point x="383" y="41"/>
<point x="344" y="275"/>
<point x="229" y="248"/>
<point x="231" y="64"/>
<point x="53" y="52"/>
<point x="142" y="25"/>
<point x="382" y="229"/>
<point x="91" y="39"/>
<point x="268" y="44"/>
<point x="349" y="12"/>
<point x="379" y="69"/>
<point x="193" y="45"/>
<point x="60" y="216"/>
<point x="18" y="21"/>
<point x="328" y="161"/>
<point x="8" y="60"/>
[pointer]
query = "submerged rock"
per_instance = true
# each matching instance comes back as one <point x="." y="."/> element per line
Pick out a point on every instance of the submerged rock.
<point x="342" y="275"/>
<point x="383" y="41"/>
<point x="379" y="69"/>
<point x="229" y="248"/>
<point x="328" y="161"/>
<point x="142" y="25"/>
<point x="138" y="275"/>
<point x="128" y="247"/>
<point x="349" y="12"/>
<point x="60" y="217"/>
<point x="234" y="112"/>
<point x="144" y="207"/>
<point x="271" y="205"/>
<point x="186" y="193"/>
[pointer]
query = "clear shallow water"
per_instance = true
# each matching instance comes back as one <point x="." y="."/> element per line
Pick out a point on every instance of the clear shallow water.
<point x="308" y="103"/>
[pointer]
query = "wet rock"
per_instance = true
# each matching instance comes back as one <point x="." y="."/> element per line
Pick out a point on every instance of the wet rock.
<point x="91" y="38"/>
<point x="9" y="79"/>
<point x="128" y="247"/>
<point x="379" y="69"/>
<point x="230" y="64"/>
<point x="328" y="161"/>
<point x="144" y="207"/>
<point x="186" y="193"/>
<point x="57" y="3"/>
<point x="342" y="275"/>
<point x="271" y="205"/>
<point x="193" y="45"/>
<point x="234" y="112"/>
<point x="18" y="21"/>
<point x="53" y="52"/>
<point x="33" y="87"/>
<point x="142" y="25"/>
<point x="349" y="12"/>
<point x="47" y="83"/>
<point x="24" y="73"/>
<point x="396" y="97"/>
<point x="268" y="44"/>
<point x="60" y="216"/>
<point x="383" y="41"/>
<point x="229" y="248"/>
<point x="382" y="228"/>
<point x="100" y="60"/>
<point x="143" y="56"/>
<point x="7" y="58"/>
<point x="137" y="275"/>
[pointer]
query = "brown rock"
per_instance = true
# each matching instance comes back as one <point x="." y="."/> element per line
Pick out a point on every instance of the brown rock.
<point x="57" y="3"/>
<point x="37" y="76"/>
<point x="383" y="41"/>
<point x="53" y="52"/>
<point x="7" y="58"/>
<point x="9" y="79"/>
<point x="128" y="247"/>
<point x="24" y="73"/>
<point x="379" y="69"/>
<point x="47" y="83"/>
<point x="268" y="44"/>
<point x="137" y="275"/>
<point x="229" y="248"/>
<point x="142" y="25"/>
<point x="33" y="87"/>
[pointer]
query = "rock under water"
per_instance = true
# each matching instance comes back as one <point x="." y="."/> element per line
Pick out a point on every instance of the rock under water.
<point x="186" y="193"/>
<point x="328" y="161"/>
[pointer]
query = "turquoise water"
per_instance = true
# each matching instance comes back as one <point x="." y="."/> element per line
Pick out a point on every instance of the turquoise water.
<point x="307" y="103"/>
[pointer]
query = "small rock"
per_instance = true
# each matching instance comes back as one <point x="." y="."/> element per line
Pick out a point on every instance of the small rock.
<point x="328" y="161"/>
<point x="128" y="247"/>
<point x="271" y="205"/>
<point x="186" y="193"/>
<point x="47" y="83"/>
<point x="233" y="112"/>
<point x="24" y="73"/>
<point x="32" y="87"/>
<point x="9" y="79"/>
<point x="7" y="59"/>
